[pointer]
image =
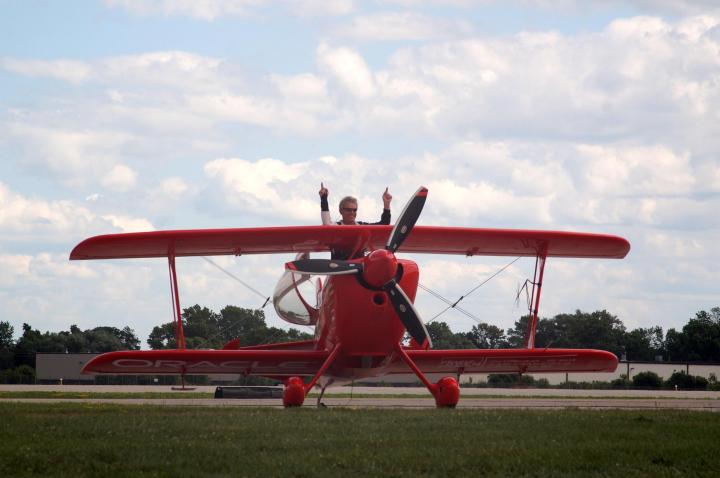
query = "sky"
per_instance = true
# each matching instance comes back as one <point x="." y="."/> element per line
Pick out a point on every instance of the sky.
<point x="135" y="115"/>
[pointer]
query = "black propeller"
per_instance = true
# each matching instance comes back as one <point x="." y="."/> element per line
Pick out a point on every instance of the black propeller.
<point x="407" y="219"/>
<point x="379" y="268"/>
<point x="324" y="266"/>
<point x="407" y="314"/>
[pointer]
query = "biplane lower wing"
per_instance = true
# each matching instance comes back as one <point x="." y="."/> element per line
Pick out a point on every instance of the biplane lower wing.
<point x="279" y="363"/>
<point x="510" y="361"/>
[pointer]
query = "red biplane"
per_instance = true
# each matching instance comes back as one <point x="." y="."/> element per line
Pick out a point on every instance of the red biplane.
<point x="363" y="308"/>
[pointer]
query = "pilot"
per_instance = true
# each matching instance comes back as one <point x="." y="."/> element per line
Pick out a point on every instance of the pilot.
<point x="348" y="209"/>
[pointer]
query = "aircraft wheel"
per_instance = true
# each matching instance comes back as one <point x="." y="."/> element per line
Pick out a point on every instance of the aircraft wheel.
<point x="294" y="392"/>
<point x="447" y="394"/>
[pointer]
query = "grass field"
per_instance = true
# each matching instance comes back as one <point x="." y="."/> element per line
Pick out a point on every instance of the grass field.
<point x="116" y="440"/>
<point x="331" y="393"/>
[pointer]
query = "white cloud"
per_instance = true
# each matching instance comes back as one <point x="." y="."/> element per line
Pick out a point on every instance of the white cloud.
<point x="401" y="26"/>
<point x="175" y="69"/>
<point x="128" y="224"/>
<point x="481" y="184"/>
<point x="58" y="267"/>
<point x="305" y="101"/>
<point x="44" y="221"/>
<point x="229" y="107"/>
<point x="200" y="9"/>
<point x="546" y="84"/>
<point x="304" y="87"/>
<point x="670" y="245"/>
<point x="56" y="293"/>
<point x="173" y="187"/>
<point x="639" y="79"/>
<point x="259" y="187"/>
<point x="172" y="197"/>
<point x="274" y="188"/>
<point x="71" y="155"/>
<point x="313" y="8"/>
<point x="685" y="7"/>
<point x="490" y="203"/>
<point x="654" y="171"/>
<point x="349" y="69"/>
<point x="13" y="268"/>
<point x="154" y="69"/>
<point x="120" y="178"/>
<point x="254" y="179"/>
<point x="21" y="215"/>
<point x="72" y="71"/>
<point x="210" y="10"/>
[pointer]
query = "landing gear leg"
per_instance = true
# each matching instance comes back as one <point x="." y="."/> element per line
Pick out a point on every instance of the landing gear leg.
<point x="296" y="390"/>
<point x="446" y="391"/>
<point x="320" y="404"/>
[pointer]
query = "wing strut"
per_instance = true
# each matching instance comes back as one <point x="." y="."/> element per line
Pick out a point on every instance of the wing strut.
<point x="535" y="304"/>
<point x="177" y="317"/>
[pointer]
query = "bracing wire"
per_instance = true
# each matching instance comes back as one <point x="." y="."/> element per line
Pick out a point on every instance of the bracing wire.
<point x="257" y="292"/>
<point x="233" y="276"/>
<point x="448" y="302"/>
<point x="527" y="294"/>
<point x="230" y="274"/>
<point x="454" y="304"/>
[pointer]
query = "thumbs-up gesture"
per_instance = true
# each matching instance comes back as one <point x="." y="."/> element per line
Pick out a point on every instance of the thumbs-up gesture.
<point x="387" y="198"/>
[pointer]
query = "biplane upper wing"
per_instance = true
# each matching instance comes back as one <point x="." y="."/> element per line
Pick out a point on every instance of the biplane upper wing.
<point x="510" y="361"/>
<point x="293" y="239"/>
<point x="277" y="363"/>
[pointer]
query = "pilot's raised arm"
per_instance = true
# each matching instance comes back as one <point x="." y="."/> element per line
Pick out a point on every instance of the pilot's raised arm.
<point x="387" y="199"/>
<point x="385" y="217"/>
<point x="324" y="208"/>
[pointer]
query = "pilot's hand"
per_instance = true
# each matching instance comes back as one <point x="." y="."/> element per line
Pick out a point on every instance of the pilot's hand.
<point x="323" y="191"/>
<point x="387" y="198"/>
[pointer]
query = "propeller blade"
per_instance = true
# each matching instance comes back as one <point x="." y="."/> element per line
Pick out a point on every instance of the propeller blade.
<point x="324" y="267"/>
<point x="407" y="314"/>
<point x="407" y="219"/>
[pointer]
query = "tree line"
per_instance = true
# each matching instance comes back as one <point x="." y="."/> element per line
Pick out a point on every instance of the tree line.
<point x="203" y="329"/>
<point x="697" y="341"/>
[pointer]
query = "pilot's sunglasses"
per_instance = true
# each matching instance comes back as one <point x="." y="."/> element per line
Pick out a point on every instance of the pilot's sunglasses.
<point x="349" y="209"/>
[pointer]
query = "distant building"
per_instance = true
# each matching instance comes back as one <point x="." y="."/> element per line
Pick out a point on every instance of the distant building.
<point x="53" y="368"/>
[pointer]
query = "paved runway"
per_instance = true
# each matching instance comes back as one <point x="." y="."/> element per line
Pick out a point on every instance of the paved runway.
<point x="483" y="398"/>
